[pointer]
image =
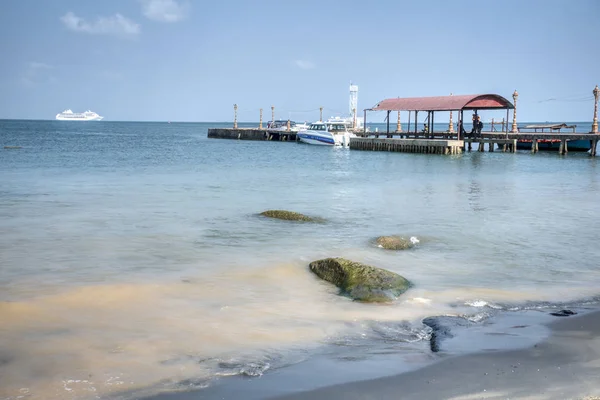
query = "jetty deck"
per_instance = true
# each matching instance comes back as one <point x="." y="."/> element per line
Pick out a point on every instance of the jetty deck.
<point x="252" y="134"/>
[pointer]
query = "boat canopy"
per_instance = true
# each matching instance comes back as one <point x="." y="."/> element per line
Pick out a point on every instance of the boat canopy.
<point x="550" y="126"/>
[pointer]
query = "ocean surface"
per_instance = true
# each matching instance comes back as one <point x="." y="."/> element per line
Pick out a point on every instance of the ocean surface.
<point x="133" y="261"/>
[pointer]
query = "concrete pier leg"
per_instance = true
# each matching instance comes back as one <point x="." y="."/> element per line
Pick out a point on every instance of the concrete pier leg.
<point x="593" y="147"/>
<point x="491" y="147"/>
<point x="469" y="147"/>
<point x="562" y="149"/>
<point x="514" y="146"/>
<point x="533" y="146"/>
<point x="481" y="146"/>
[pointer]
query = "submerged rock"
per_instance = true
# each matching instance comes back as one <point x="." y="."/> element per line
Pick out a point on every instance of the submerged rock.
<point x="441" y="328"/>
<point x="396" y="242"/>
<point x="288" y="215"/>
<point x="359" y="281"/>
<point x="563" y="313"/>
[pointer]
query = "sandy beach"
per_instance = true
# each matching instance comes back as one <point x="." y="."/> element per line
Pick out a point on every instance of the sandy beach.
<point x="565" y="366"/>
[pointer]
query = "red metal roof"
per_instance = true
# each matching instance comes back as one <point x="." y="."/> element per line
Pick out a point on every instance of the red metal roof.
<point x="445" y="103"/>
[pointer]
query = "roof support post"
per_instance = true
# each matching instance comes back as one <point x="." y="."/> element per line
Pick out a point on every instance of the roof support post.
<point x="506" y="123"/>
<point x="460" y="125"/>
<point x="432" y="125"/>
<point x="416" y="119"/>
<point x="408" y="129"/>
<point x="426" y="134"/>
<point x="387" y="133"/>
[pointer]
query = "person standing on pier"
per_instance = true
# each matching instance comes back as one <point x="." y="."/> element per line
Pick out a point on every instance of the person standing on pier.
<point x="474" y="128"/>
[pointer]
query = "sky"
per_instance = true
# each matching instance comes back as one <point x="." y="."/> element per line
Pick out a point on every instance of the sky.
<point x="191" y="60"/>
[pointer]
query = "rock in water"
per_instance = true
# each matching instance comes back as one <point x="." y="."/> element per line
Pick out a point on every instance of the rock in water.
<point x="359" y="281"/>
<point x="287" y="215"/>
<point x="563" y="313"/>
<point x="395" y="242"/>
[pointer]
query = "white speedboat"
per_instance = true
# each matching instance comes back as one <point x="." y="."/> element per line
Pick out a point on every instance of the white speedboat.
<point x="326" y="134"/>
<point x="69" y="115"/>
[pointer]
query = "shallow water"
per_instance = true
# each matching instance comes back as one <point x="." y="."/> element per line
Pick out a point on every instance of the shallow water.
<point x="133" y="260"/>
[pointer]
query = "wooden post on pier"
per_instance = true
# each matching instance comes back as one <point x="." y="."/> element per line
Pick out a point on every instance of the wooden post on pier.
<point x="534" y="146"/>
<point x="260" y="123"/>
<point x="398" y="124"/>
<point x="450" y="123"/>
<point x="235" y="116"/>
<point x="595" y="121"/>
<point x="514" y="122"/>
<point x="272" y="114"/>
<point x="321" y="114"/>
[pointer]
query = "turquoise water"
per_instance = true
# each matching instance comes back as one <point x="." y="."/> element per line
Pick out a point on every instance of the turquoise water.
<point x="132" y="259"/>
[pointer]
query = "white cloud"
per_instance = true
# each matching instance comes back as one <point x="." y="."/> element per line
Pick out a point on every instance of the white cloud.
<point x="117" y="25"/>
<point x="304" y="64"/>
<point x="165" y="10"/>
<point x="37" y="72"/>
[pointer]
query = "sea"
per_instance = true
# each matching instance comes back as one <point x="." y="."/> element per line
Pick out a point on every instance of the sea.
<point x="134" y="262"/>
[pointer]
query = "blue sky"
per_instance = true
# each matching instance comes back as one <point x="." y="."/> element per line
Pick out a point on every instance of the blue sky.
<point x="185" y="60"/>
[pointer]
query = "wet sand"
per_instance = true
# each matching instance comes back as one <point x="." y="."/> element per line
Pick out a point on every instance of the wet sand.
<point x="565" y="366"/>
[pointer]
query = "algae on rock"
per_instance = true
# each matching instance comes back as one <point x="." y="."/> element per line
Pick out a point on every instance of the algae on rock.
<point x="394" y="242"/>
<point x="288" y="215"/>
<point x="360" y="281"/>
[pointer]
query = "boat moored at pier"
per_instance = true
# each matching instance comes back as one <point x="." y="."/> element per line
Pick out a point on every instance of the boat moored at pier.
<point x="550" y="143"/>
<point x="326" y="134"/>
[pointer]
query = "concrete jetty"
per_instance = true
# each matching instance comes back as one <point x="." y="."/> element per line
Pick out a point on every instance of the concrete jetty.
<point x="427" y="146"/>
<point x="252" y="134"/>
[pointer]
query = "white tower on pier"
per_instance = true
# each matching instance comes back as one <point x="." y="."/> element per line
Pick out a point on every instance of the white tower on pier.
<point x="353" y="103"/>
<point x="353" y="98"/>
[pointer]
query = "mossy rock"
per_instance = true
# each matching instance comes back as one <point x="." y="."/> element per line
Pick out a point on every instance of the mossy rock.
<point x="359" y="281"/>
<point x="394" y="242"/>
<point x="288" y="216"/>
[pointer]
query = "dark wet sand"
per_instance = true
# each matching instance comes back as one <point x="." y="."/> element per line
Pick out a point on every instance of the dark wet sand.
<point x="565" y="366"/>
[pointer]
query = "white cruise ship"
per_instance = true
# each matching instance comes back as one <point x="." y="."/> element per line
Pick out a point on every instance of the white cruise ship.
<point x="69" y="115"/>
